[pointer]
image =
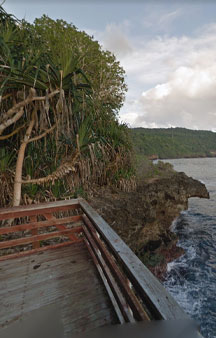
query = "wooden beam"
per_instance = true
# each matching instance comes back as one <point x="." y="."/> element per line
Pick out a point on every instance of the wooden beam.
<point x="36" y="209"/>
<point x="138" y="310"/>
<point x="40" y="224"/>
<point x="34" y="232"/>
<point x="106" y="284"/>
<point x="161" y="304"/>
<point x="31" y="239"/>
<point x="60" y="226"/>
<point x="33" y="251"/>
<point x="112" y="283"/>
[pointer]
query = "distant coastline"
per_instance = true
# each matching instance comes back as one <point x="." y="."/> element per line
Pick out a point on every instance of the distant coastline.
<point x="173" y="143"/>
<point x="155" y="157"/>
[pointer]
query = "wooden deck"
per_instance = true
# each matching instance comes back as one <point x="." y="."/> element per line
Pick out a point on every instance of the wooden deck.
<point x="65" y="277"/>
<point x="63" y="259"/>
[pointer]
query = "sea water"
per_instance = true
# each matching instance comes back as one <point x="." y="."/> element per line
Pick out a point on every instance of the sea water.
<point x="191" y="279"/>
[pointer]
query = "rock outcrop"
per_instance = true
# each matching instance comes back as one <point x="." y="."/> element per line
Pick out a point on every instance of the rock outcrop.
<point x="143" y="218"/>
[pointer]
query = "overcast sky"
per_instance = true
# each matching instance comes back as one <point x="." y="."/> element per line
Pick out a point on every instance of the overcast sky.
<point x="167" y="48"/>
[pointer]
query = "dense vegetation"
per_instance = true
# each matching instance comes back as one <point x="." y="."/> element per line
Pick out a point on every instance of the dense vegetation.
<point x="174" y="142"/>
<point x="60" y="94"/>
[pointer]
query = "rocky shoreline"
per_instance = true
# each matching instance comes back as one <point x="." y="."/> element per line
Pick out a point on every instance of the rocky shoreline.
<point x="143" y="218"/>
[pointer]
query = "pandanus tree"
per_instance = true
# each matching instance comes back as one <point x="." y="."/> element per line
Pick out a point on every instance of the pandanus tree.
<point x="39" y="104"/>
<point x="48" y="103"/>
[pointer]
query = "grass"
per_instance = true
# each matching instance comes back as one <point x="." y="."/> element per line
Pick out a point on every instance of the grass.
<point x="147" y="169"/>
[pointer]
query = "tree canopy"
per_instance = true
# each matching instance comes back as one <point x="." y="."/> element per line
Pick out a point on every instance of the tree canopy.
<point x="174" y="142"/>
<point x="60" y="94"/>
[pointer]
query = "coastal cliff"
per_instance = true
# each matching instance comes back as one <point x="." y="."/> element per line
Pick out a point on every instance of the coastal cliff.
<point x="143" y="218"/>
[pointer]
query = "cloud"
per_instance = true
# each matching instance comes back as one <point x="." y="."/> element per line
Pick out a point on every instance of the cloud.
<point x="171" y="79"/>
<point x="158" y="19"/>
<point x="172" y="82"/>
<point x="187" y="100"/>
<point x="115" y="39"/>
<point x="169" y="17"/>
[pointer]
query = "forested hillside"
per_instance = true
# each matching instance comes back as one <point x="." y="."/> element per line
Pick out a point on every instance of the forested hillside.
<point x="174" y="142"/>
<point x="60" y="94"/>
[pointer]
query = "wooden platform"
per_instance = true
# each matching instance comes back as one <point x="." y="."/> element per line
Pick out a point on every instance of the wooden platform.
<point x="63" y="259"/>
<point x="66" y="277"/>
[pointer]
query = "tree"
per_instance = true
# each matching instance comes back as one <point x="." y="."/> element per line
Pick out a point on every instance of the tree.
<point x="56" y="97"/>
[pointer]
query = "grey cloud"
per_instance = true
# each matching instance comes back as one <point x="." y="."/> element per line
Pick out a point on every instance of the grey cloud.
<point x="181" y="75"/>
<point x="115" y="39"/>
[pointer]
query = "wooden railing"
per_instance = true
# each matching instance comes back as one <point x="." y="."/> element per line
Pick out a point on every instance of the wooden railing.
<point x="157" y="303"/>
<point x="33" y="235"/>
<point x="135" y="293"/>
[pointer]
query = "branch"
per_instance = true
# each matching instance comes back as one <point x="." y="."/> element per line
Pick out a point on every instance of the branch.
<point x="36" y="138"/>
<point x="5" y="137"/>
<point x="30" y="99"/>
<point x="62" y="171"/>
<point x="11" y="121"/>
<point x="6" y="96"/>
<point x="20" y="106"/>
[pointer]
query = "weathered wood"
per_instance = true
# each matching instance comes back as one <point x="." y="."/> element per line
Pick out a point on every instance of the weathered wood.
<point x="55" y="278"/>
<point x="31" y="239"/>
<point x="112" y="283"/>
<point x="34" y="232"/>
<point x="160" y="302"/>
<point x="33" y="251"/>
<point x="59" y="226"/>
<point x="37" y="266"/>
<point x="80" y="297"/>
<point x="36" y="209"/>
<point x="106" y="284"/>
<point x="136" y="307"/>
<point x="40" y="224"/>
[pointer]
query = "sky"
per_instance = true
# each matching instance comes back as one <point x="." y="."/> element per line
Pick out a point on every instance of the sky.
<point x="167" y="48"/>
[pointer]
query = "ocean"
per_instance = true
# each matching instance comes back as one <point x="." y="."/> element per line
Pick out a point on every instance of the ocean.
<point x="191" y="279"/>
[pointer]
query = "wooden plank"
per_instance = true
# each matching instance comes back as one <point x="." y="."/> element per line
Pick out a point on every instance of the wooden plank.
<point x="161" y="304"/>
<point x="80" y="296"/>
<point x="31" y="239"/>
<point x="59" y="226"/>
<point x="35" y="209"/>
<point x="34" y="232"/>
<point x="106" y="284"/>
<point x="39" y="267"/>
<point x="112" y="283"/>
<point x="33" y="251"/>
<point x="85" y="308"/>
<point x="51" y="288"/>
<point x="86" y="324"/>
<point x="133" y="302"/>
<point x="19" y="256"/>
<point x="40" y="224"/>
<point x="59" y="272"/>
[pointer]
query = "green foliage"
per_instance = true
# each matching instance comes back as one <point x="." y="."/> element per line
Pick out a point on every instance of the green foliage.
<point x="31" y="190"/>
<point x="88" y="87"/>
<point x="6" y="159"/>
<point x="79" y="192"/>
<point x="152" y="259"/>
<point x="70" y="47"/>
<point x="173" y="142"/>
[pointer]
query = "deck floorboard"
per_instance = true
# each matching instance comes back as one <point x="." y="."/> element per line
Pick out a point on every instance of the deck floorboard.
<point x="65" y="277"/>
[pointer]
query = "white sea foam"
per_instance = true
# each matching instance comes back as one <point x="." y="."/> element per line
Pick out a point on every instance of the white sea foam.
<point x="191" y="278"/>
<point x="170" y="266"/>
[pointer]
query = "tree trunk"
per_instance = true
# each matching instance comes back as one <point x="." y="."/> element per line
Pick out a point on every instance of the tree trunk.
<point x="19" y="164"/>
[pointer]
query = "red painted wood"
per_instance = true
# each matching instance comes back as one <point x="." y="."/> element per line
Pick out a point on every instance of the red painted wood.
<point x="139" y="312"/>
<point x="34" y="232"/>
<point x="60" y="227"/>
<point x="40" y="224"/>
<point x="120" y="299"/>
<point x="37" y="209"/>
<point x="31" y="239"/>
